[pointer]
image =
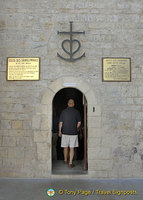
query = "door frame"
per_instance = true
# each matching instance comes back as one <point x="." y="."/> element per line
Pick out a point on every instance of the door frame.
<point x="84" y="103"/>
<point x="93" y="118"/>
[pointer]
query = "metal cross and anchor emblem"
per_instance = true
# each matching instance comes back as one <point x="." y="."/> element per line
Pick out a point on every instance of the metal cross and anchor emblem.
<point x="71" y="41"/>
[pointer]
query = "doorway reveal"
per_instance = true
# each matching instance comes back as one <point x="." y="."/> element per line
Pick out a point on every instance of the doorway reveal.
<point x="80" y="158"/>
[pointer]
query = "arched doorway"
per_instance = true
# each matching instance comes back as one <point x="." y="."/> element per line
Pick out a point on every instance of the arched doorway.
<point x="93" y="120"/>
<point x="80" y="158"/>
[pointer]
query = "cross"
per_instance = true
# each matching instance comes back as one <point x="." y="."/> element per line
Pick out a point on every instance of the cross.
<point x="71" y="41"/>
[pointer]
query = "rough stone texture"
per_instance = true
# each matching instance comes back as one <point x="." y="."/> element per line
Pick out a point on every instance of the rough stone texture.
<point x="17" y="125"/>
<point x="43" y="151"/>
<point x="112" y="29"/>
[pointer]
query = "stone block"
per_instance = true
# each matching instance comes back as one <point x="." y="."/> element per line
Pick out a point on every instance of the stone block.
<point x="94" y="111"/>
<point x="98" y="174"/>
<point x="138" y="125"/>
<point x="4" y="132"/>
<point x="9" y="142"/>
<point x="82" y="86"/>
<point x="69" y="79"/>
<point x="16" y="133"/>
<point x="1" y="164"/>
<point x="129" y="91"/>
<point x="127" y="140"/>
<point x="137" y="115"/>
<point x="44" y="123"/>
<point x="99" y="153"/>
<point x="94" y="132"/>
<point x="114" y="173"/>
<point x="140" y="91"/>
<point x="24" y="141"/>
<point x="19" y="163"/>
<point x="57" y="85"/>
<point x="19" y="152"/>
<point x="30" y="153"/>
<point x="49" y="115"/>
<point x="126" y="114"/>
<point x="44" y="167"/>
<point x="94" y="141"/>
<point x="11" y="152"/>
<point x="27" y="125"/>
<point x="36" y="121"/>
<point x="42" y="109"/>
<point x="3" y="152"/>
<point x="99" y="165"/>
<point x="130" y="101"/>
<point x="9" y="164"/>
<point x="108" y="142"/>
<point x="41" y="136"/>
<point x="0" y="140"/>
<point x="43" y="151"/>
<point x="5" y="124"/>
<point x="90" y="96"/>
<point x="94" y="122"/>
<point x="48" y="97"/>
<point x="30" y="164"/>
<point x="17" y="124"/>
<point x="127" y="124"/>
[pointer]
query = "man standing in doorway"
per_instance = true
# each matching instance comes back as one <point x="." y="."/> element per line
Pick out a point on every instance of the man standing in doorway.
<point x="69" y="124"/>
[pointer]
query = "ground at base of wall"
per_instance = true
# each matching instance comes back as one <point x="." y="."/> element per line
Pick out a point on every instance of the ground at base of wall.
<point x="27" y="189"/>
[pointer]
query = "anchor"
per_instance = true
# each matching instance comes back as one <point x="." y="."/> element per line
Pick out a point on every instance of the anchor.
<point x="71" y="42"/>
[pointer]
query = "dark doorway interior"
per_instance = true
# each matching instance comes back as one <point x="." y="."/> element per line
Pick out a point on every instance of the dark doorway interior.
<point x="59" y="103"/>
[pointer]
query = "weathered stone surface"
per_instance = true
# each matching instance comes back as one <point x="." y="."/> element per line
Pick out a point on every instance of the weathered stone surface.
<point x="30" y="152"/>
<point x="5" y="124"/>
<point x="112" y="29"/>
<point x="94" y="132"/>
<point x="9" y="142"/>
<point x="27" y="125"/>
<point x="100" y="165"/>
<point x="44" y="123"/>
<point x="98" y="174"/>
<point x="36" y="120"/>
<point x="17" y="124"/>
<point x="43" y="151"/>
<point x="41" y="136"/>
<point x="3" y="152"/>
<point x="42" y="109"/>
<point x="19" y="152"/>
<point x="9" y="164"/>
<point x="46" y="95"/>
<point x="24" y="141"/>
<point x="11" y="152"/>
<point x="94" y="141"/>
<point x="0" y="140"/>
<point x="94" y="110"/>
<point x="94" y="122"/>
<point x="99" y="153"/>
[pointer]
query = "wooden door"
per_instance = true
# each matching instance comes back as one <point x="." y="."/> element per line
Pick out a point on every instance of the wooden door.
<point x="85" y="133"/>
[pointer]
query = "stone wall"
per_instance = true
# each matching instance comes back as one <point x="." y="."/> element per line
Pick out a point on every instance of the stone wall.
<point x="112" y="29"/>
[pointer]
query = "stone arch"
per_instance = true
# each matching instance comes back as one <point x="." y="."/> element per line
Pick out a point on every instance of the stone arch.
<point x="93" y="111"/>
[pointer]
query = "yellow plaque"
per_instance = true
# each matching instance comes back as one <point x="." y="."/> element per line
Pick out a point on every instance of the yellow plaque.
<point x="22" y="69"/>
<point x="116" y="69"/>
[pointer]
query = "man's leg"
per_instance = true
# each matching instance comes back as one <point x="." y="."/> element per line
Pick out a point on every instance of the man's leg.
<point x="71" y="154"/>
<point x="65" y="154"/>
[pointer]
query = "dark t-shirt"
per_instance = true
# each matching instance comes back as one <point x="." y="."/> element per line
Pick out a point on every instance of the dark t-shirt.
<point x="70" y="117"/>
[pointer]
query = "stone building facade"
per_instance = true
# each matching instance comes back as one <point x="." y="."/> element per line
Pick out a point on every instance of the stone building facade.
<point x="112" y="29"/>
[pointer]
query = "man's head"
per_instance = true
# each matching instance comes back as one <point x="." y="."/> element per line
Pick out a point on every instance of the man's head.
<point x="70" y="103"/>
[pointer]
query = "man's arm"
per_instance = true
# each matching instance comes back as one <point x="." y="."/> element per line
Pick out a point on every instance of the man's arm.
<point x="60" y="128"/>
<point x="78" y="125"/>
<point x="79" y="129"/>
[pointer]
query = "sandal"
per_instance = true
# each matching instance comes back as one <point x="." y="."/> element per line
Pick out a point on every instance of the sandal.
<point x="71" y="165"/>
